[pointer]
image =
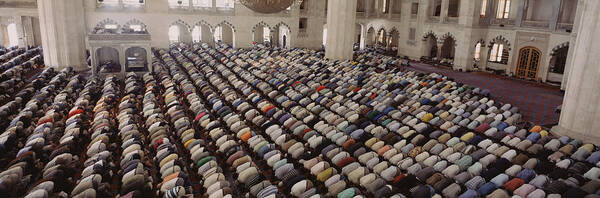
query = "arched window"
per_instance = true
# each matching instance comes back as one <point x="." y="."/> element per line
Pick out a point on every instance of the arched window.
<point x="499" y="53"/>
<point x="385" y="7"/>
<point x="477" y="54"/>
<point x="196" y="34"/>
<point x="13" y="36"/>
<point x="503" y="9"/>
<point x="179" y="3"/>
<point x="174" y="33"/>
<point x="218" y="34"/>
<point x="483" y="8"/>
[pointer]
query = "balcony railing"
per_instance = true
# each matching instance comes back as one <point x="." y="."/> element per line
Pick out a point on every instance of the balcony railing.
<point x="450" y="19"/>
<point x="361" y="14"/>
<point x="536" y="24"/>
<point x="497" y="21"/>
<point x="564" y="26"/>
<point x="433" y="19"/>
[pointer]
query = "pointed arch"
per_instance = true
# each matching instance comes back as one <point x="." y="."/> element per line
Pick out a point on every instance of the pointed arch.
<point x="204" y="23"/>
<point x="103" y="25"/>
<point x="500" y="39"/>
<point x="182" y="23"/>
<point x="282" y="24"/>
<point x="558" y="47"/>
<point x="429" y="34"/>
<point x="448" y="35"/>
<point x="263" y="24"/>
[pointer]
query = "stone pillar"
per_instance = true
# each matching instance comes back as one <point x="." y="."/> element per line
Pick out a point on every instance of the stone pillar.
<point x="580" y="109"/>
<point x="389" y="8"/>
<point x="20" y="31"/>
<point x="556" y="5"/>
<point x="444" y="10"/>
<point x="520" y="13"/>
<point x="363" y="36"/>
<point x="341" y="19"/>
<point x="440" y="44"/>
<point x="63" y="33"/>
<point x="573" y="39"/>
<point x="464" y="52"/>
<point x="489" y="11"/>
<point x="28" y="31"/>
<point x="376" y="9"/>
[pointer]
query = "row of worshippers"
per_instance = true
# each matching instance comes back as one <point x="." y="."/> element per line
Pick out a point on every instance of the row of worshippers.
<point x="14" y="69"/>
<point x="289" y="123"/>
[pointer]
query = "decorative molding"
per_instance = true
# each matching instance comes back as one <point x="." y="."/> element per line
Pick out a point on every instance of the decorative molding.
<point x="181" y="22"/>
<point x="558" y="47"/>
<point x="282" y="24"/>
<point x="429" y="34"/>
<point x="135" y="21"/>
<point x="204" y="23"/>
<point x="228" y="24"/>
<point x="480" y="41"/>
<point x="500" y="39"/>
<point x="448" y="35"/>
<point x="102" y="24"/>
<point x="263" y="24"/>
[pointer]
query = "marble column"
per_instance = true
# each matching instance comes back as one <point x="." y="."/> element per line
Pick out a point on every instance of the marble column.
<point x="389" y="8"/>
<point x="341" y="19"/>
<point x="444" y="11"/>
<point x="28" y="30"/>
<point x="489" y="11"/>
<point x="556" y="5"/>
<point x="521" y="13"/>
<point x="440" y="44"/>
<point x="581" y="109"/>
<point x="572" y="40"/>
<point x="63" y="33"/>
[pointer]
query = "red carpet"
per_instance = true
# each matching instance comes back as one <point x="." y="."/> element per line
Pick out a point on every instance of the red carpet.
<point x="537" y="102"/>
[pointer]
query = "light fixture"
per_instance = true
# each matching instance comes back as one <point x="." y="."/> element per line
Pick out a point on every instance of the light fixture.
<point x="268" y="6"/>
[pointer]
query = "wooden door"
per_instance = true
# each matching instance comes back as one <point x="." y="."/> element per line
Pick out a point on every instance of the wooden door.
<point x="529" y="62"/>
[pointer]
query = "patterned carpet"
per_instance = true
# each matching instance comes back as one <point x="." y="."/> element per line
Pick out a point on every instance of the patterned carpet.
<point x="537" y="102"/>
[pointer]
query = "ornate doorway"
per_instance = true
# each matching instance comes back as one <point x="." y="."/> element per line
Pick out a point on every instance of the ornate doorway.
<point x="529" y="62"/>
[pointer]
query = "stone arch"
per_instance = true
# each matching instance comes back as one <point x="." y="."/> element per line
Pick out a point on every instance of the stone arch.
<point x="443" y="38"/>
<point x="281" y="37"/>
<point x="429" y="34"/>
<point x="228" y="32"/>
<point x="558" y="58"/>
<point x="182" y="23"/>
<point x="381" y="36"/>
<point x="282" y="24"/>
<point x="135" y="21"/>
<point x="500" y="39"/>
<point x="393" y="37"/>
<point x="261" y="23"/>
<point x="558" y="47"/>
<point x="102" y="25"/>
<point x="258" y="34"/>
<point x="480" y="41"/>
<point x="370" y="35"/>
<point x="206" y="31"/>
<point x="228" y="24"/>
<point x="204" y="23"/>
